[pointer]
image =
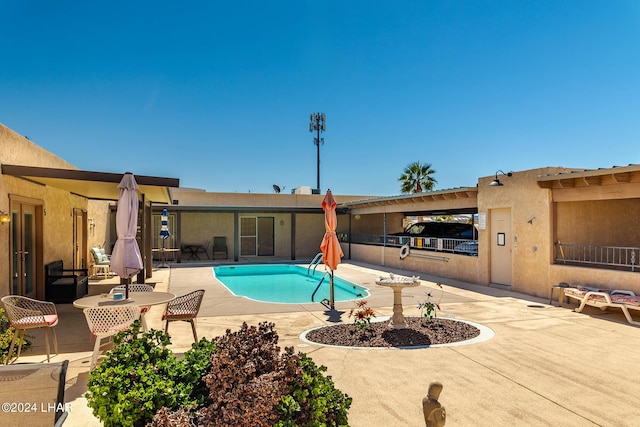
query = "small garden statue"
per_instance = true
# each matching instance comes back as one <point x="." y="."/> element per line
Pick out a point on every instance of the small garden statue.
<point x="434" y="413"/>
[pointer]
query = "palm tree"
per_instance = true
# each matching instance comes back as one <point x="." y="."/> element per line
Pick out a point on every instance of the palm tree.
<point x="417" y="177"/>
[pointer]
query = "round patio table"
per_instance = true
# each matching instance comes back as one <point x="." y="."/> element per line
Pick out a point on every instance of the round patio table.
<point x="135" y="298"/>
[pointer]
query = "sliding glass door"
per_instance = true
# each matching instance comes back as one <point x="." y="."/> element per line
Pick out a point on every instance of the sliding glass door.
<point x="256" y="236"/>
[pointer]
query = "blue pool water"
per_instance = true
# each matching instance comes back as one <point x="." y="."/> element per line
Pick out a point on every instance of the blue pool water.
<point x="285" y="284"/>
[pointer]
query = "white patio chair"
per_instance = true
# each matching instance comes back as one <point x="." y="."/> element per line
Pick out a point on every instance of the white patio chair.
<point x="27" y="313"/>
<point x="104" y="322"/>
<point x="137" y="287"/>
<point x="184" y="308"/>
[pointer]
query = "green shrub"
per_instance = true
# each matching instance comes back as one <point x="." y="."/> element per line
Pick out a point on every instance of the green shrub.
<point x="194" y="365"/>
<point x="6" y="335"/>
<point x="313" y="400"/>
<point x="239" y="379"/>
<point x="252" y="383"/>
<point x="141" y="376"/>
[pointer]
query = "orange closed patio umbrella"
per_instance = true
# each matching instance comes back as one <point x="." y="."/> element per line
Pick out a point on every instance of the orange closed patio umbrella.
<point x="330" y="246"/>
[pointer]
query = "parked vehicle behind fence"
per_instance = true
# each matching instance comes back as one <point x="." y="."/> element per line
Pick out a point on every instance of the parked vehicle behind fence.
<point x="445" y="230"/>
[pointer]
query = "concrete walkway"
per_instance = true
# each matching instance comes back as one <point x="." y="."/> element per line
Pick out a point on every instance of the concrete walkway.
<point x="545" y="366"/>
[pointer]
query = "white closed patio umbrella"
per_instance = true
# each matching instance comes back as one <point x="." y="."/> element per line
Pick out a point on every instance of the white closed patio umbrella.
<point x="126" y="261"/>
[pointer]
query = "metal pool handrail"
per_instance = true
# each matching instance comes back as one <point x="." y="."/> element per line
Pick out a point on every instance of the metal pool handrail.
<point x="314" y="263"/>
<point x="318" y="287"/>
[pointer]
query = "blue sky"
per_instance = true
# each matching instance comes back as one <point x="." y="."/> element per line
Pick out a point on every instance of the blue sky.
<point x="219" y="94"/>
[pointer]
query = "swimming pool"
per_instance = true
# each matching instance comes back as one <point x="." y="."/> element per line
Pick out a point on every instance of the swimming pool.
<point x="285" y="283"/>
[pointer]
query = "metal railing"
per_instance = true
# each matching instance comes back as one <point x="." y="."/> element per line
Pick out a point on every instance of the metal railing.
<point x="608" y="256"/>
<point x="426" y="243"/>
<point x="314" y="263"/>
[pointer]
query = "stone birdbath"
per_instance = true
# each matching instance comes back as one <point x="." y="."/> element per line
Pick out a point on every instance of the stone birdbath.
<point x="398" y="283"/>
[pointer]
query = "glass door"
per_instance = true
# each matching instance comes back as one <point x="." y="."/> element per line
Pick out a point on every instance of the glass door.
<point x="265" y="236"/>
<point x="256" y="236"/>
<point x="248" y="236"/>
<point x="80" y="239"/>
<point x="23" y="249"/>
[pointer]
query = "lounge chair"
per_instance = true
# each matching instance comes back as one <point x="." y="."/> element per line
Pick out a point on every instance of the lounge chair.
<point x="184" y="308"/>
<point x="101" y="263"/>
<point x="27" y="313"/>
<point x="604" y="299"/>
<point x="220" y="246"/>
<point x="34" y="393"/>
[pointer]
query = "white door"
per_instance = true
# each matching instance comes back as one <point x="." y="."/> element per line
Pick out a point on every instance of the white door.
<point x="501" y="246"/>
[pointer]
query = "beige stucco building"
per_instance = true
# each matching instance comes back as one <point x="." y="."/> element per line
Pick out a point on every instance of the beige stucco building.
<point x="46" y="212"/>
<point x="539" y="228"/>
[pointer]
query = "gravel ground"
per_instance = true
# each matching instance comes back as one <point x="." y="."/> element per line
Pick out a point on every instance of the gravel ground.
<point x="419" y="332"/>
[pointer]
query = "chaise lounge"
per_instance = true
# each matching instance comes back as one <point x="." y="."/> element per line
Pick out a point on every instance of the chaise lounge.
<point x="604" y="299"/>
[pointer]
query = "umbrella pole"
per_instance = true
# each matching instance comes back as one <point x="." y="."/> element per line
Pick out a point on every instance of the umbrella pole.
<point x="126" y="289"/>
<point x="162" y="255"/>
<point x="331" y="291"/>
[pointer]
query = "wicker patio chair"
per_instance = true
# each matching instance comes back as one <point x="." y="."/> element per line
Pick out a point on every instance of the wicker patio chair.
<point x="27" y="313"/>
<point x="104" y="322"/>
<point x="137" y="287"/>
<point x="184" y="308"/>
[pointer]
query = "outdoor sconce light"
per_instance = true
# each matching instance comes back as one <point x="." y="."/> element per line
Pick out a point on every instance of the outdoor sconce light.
<point x="4" y="217"/>
<point x="496" y="182"/>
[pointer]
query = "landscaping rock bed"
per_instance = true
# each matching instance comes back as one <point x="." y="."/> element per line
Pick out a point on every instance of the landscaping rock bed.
<point x="419" y="332"/>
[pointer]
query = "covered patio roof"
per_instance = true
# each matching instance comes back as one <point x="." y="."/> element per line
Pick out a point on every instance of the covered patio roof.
<point x="618" y="182"/>
<point x="94" y="185"/>
<point x="591" y="178"/>
<point x="462" y="200"/>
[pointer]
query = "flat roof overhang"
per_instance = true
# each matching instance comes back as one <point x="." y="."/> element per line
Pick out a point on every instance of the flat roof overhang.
<point x="94" y="185"/>
<point x="463" y="200"/>
<point x="254" y="209"/>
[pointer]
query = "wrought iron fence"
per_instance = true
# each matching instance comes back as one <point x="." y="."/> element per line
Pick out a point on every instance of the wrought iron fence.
<point x="469" y="247"/>
<point x="611" y="256"/>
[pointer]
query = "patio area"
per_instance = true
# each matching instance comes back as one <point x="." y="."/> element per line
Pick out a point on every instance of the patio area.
<point x="546" y="365"/>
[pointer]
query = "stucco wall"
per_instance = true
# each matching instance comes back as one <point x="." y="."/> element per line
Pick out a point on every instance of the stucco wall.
<point x="599" y="222"/>
<point x="309" y="233"/>
<point x="197" y="197"/>
<point x="57" y="205"/>
<point x="607" y="279"/>
<point x="202" y="227"/>
<point x="99" y="232"/>
<point x="460" y="267"/>
<point x="531" y="231"/>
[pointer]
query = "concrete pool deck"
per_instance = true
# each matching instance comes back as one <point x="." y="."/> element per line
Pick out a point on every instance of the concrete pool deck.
<point x="545" y="366"/>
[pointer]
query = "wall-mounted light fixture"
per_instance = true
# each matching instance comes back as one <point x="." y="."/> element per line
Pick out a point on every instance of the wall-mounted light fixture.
<point x="496" y="182"/>
<point x="4" y="217"/>
<point x="357" y="217"/>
